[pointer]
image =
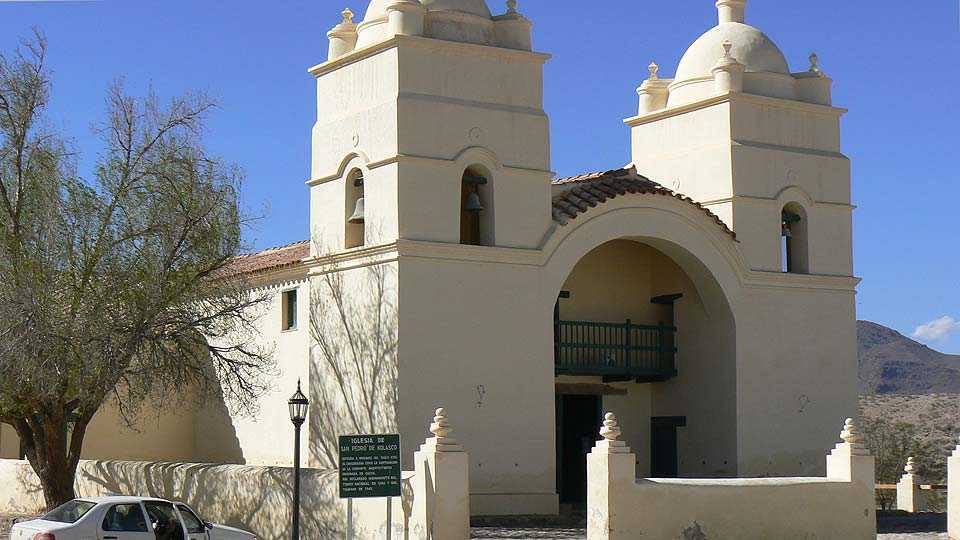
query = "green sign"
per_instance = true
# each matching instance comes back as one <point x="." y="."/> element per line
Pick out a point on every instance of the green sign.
<point x="369" y="466"/>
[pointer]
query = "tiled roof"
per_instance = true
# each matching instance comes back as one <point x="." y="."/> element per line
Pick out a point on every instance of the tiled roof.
<point x="268" y="259"/>
<point x="583" y="192"/>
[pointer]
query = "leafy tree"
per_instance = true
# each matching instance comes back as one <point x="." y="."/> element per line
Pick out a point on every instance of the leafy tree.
<point x="117" y="286"/>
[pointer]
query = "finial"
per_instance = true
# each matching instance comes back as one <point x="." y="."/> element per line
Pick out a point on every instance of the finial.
<point x="511" y="6"/>
<point x="850" y="433"/>
<point x="347" y="15"/>
<point x="610" y="430"/>
<point x="440" y="426"/>
<point x="815" y="63"/>
<point x="654" y="69"/>
<point x="911" y="466"/>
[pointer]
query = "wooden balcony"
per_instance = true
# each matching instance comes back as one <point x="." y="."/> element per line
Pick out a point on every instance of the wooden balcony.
<point x="615" y="351"/>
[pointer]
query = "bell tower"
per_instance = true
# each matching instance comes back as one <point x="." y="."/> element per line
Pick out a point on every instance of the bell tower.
<point x="758" y="145"/>
<point x="430" y="127"/>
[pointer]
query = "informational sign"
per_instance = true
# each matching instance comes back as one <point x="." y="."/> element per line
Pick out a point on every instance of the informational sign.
<point x="369" y="466"/>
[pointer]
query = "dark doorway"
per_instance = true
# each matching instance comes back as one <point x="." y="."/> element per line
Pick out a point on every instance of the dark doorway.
<point x="578" y="428"/>
<point x="663" y="445"/>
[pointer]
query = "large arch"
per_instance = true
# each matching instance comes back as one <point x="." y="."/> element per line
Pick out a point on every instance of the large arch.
<point x="704" y="390"/>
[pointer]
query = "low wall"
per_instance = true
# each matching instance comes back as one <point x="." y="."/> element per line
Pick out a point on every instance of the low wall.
<point x="620" y="507"/>
<point x="257" y="499"/>
<point x="434" y="501"/>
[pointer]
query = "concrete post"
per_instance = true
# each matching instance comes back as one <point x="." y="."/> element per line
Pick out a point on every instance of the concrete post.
<point x="442" y="498"/>
<point x="728" y="72"/>
<point x="343" y="37"/>
<point x="654" y="91"/>
<point x="611" y="470"/>
<point x="953" y="494"/>
<point x="406" y="18"/>
<point x="850" y="461"/>
<point x="909" y="497"/>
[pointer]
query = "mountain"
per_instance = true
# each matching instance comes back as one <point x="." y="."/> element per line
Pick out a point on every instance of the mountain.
<point x="891" y="363"/>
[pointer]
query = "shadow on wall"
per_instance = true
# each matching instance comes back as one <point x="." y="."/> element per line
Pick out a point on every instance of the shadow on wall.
<point x="257" y="499"/>
<point x="353" y="372"/>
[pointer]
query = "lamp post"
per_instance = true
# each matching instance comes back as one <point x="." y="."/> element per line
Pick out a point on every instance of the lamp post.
<point x="298" y="414"/>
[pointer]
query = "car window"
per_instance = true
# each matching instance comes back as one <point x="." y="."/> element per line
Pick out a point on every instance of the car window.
<point x="69" y="512"/>
<point x="125" y="518"/>
<point x="164" y="521"/>
<point x="194" y="525"/>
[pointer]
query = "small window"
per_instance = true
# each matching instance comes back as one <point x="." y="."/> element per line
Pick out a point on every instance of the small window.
<point x="125" y="518"/>
<point x="194" y="524"/>
<point x="289" y="308"/>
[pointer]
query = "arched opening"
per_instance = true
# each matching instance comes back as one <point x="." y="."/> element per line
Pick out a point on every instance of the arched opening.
<point x="644" y="330"/>
<point x="476" y="208"/>
<point x="794" y="258"/>
<point x="355" y="211"/>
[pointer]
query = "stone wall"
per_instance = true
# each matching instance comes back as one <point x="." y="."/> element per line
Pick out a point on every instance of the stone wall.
<point x="839" y="505"/>
<point x="434" y="501"/>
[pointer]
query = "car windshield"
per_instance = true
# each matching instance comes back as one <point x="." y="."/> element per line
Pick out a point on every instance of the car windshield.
<point x="69" y="512"/>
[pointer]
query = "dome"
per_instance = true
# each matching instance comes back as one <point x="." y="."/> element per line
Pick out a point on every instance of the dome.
<point x="378" y="8"/>
<point x="751" y="47"/>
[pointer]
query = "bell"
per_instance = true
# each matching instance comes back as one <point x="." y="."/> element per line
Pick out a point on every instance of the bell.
<point x="357" y="216"/>
<point x="473" y="203"/>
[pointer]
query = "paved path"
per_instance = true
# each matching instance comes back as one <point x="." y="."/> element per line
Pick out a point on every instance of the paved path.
<point x="489" y="533"/>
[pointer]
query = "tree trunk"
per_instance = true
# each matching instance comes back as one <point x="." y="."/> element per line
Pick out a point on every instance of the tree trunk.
<point x="53" y="454"/>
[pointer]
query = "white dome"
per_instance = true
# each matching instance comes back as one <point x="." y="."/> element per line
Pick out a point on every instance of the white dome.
<point x="751" y="47"/>
<point x="378" y="8"/>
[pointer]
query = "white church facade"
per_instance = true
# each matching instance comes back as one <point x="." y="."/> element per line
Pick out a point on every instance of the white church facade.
<point x="704" y="293"/>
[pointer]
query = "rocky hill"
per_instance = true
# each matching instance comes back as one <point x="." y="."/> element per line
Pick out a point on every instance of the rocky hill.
<point x="891" y="363"/>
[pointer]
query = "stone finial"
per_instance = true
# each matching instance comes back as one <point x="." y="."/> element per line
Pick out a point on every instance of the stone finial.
<point x="511" y="6"/>
<point x="850" y="433"/>
<point x="654" y="70"/>
<point x="441" y="427"/>
<point x="815" y="64"/>
<point x="347" y="16"/>
<point x="610" y="430"/>
<point x="911" y="467"/>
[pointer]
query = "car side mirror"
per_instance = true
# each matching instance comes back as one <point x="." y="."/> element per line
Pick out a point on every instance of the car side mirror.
<point x="208" y="525"/>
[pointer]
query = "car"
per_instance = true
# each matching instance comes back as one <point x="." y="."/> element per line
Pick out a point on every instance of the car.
<point x="123" y="518"/>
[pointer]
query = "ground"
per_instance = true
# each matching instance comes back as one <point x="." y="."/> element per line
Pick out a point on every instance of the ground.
<point x="894" y="526"/>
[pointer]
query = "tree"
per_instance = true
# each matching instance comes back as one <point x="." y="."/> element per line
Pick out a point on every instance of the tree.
<point x="117" y="286"/>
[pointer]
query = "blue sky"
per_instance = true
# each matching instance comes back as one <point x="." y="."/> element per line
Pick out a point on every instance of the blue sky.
<point x="896" y="66"/>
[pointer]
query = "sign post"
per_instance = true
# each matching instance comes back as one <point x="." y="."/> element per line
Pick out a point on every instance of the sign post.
<point x="369" y="468"/>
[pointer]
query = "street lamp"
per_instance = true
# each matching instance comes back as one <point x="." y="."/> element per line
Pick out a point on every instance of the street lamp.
<point x="298" y="414"/>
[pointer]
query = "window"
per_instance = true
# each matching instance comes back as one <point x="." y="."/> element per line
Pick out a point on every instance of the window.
<point x="194" y="524"/>
<point x="475" y="214"/>
<point x="164" y="520"/>
<point x="125" y="518"/>
<point x="289" y="308"/>
<point x="69" y="512"/>
<point x="793" y="246"/>
<point x="355" y="228"/>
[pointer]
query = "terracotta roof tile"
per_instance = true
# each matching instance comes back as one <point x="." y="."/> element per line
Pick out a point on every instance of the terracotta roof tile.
<point x="586" y="191"/>
<point x="268" y="259"/>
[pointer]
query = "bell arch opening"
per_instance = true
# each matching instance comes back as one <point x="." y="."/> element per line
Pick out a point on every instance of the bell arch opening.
<point x="643" y="329"/>
<point x="476" y="207"/>
<point x="355" y="211"/>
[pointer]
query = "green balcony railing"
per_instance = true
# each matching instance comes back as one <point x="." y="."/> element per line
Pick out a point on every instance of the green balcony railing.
<point x="615" y="350"/>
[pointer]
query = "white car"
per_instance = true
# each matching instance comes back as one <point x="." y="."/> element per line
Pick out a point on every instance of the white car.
<point x="123" y="518"/>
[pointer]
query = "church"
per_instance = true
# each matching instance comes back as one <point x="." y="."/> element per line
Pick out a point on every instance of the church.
<point x="703" y="292"/>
